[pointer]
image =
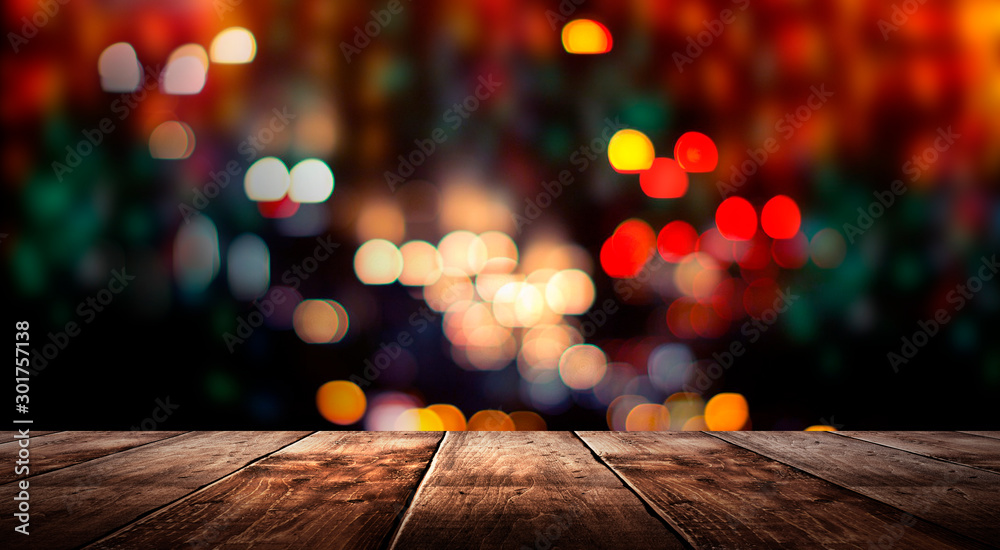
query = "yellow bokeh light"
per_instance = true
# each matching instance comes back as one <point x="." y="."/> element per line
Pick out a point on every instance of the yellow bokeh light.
<point x="584" y="36"/>
<point x="528" y="421"/>
<point x="630" y="151"/>
<point x="821" y="428"/>
<point x="378" y="262"/>
<point x="451" y="417"/>
<point x="422" y="264"/>
<point x="683" y="407"/>
<point x="341" y="402"/>
<point x="501" y="252"/>
<point x="490" y="421"/>
<point x="233" y="45"/>
<point x="419" y="420"/>
<point x="320" y="321"/>
<point x="582" y="366"/>
<point x="727" y="412"/>
<point x="463" y="250"/>
<point x="569" y="292"/>
<point x="648" y="417"/>
<point x="171" y="140"/>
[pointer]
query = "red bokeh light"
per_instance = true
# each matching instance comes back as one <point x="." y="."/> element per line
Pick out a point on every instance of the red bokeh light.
<point x="679" y="318"/>
<point x="664" y="180"/>
<point x="753" y="254"/>
<point x="791" y="253"/>
<point x="676" y="240"/>
<point x="780" y="217"/>
<point x="628" y="249"/>
<point x="696" y="152"/>
<point x="736" y="219"/>
<point x="285" y="208"/>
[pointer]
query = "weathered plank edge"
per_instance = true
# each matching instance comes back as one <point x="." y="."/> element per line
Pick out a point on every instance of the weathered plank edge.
<point x="920" y="454"/>
<point x="988" y="434"/>
<point x="165" y="507"/>
<point x="651" y="508"/>
<point x="401" y="519"/>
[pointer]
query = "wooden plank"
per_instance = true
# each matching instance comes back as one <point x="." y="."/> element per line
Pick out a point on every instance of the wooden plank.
<point x="959" y="498"/>
<point x="78" y="504"/>
<point x="535" y="489"/>
<point x="6" y="437"/>
<point x="330" y="490"/>
<point x="718" y="495"/>
<point x="62" y="449"/>
<point x="994" y="435"/>
<point x="966" y="449"/>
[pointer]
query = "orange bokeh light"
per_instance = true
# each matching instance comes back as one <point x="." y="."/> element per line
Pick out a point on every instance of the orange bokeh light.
<point x="727" y="412"/>
<point x="490" y="421"/>
<point x="341" y="402"/>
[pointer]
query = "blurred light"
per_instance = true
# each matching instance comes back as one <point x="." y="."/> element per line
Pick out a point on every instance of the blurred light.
<point x="463" y="250"/>
<point x="422" y="264"/>
<point x="279" y="209"/>
<point x="791" y="253"/>
<point x="549" y="254"/>
<point x="541" y="348"/>
<point x="630" y="151"/>
<point x="248" y="265"/>
<point x="664" y="180"/>
<point x="679" y="318"/>
<point x="190" y="50"/>
<point x="452" y="286"/>
<point x="183" y="76"/>
<point x="713" y="243"/>
<point x="696" y="152"/>
<point x="669" y="366"/>
<point x="627" y="250"/>
<point x="196" y="255"/>
<point x="378" y="262"/>
<point x="119" y="68"/>
<point x="451" y="417"/>
<point x="676" y="240"/>
<point x="620" y="408"/>
<point x="528" y="421"/>
<point x="648" y="417"/>
<point x="487" y="284"/>
<point x="490" y="421"/>
<point x="171" y="140"/>
<point x="753" y="254"/>
<point x="381" y="219"/>
<point x="585" y="36"/>
<point x="234" y="45"/>
<point x="547" y="393"/>
<point x="827" y="248"/>
<point x="582" y="366"/>
<point x="695" y="424"/>
<point x="341" y="402"/>
<point x="683" y="407"/>
<point x="697" y="275"/>
<point x="267" y="180"/>
<point x="501" y="252"/>
<point x="519" y="305"/>
<point x="310" y="181"/>
<point x="726" y="412"/>
<point x="570" y="292"/>
<point x="419" y="420"/>
<point x="385" y="408"/>
<point x="821" y="428"/>
<point x="780" y="217"/>
<point x="736" y="219"/>
<point x="320" y="321"/>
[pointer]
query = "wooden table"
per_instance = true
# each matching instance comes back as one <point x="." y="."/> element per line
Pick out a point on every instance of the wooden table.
<point x="541" y="490"/>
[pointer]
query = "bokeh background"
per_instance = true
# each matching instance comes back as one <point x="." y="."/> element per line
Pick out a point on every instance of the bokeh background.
<point x="507" y="285"/>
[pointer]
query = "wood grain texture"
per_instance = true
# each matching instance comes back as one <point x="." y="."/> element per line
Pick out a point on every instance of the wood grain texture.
<point x="967" y="449"/>
<point x="10" y="436"/>
<point x="62" y="449"/>
<point x="329" y="490"/>
<point x="718" y="495"/>
<point x="993" y="435"/>
<point x="78" y="504"/>
<point x="959" y="498"/>
<point x="525" y="490"/>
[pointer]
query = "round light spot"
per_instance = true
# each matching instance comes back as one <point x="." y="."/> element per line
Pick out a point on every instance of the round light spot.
<point x="320" y="321"/>
<point x="310" y="181"/>
<point x="696" y="152"/>
<point x="780" y="218"/>
<point x="234" y="45"/>
<point x="341" y="402"/>
<point x="119" y="68"/>
<point x="422" y="264"/>
<point x="490" y="421"/>
<point x="451" y="417"/>
<point x="585" y="36"/>
<point x="664" y="180"/>
<point x="267" y="180"/>
<point x="378" y="262"/>
<point x="630" y="151"/>
<point x="419" y="420"/>
<point x="582" y="366"/>
<point x="171" y="140"/>
<point x="648" y="417"/>
<point x="736" y="219"/>
<point x="570" y="292"/>
<point x="528" y="421"/>
<point x="726" y="412"/>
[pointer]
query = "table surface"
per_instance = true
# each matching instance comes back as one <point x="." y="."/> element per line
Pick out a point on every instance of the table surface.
<point x="541" y="490"/>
